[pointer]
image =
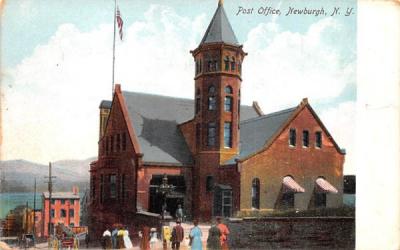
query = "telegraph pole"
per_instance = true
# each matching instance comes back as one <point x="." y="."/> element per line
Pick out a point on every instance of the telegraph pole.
<point x="50" y="188"/>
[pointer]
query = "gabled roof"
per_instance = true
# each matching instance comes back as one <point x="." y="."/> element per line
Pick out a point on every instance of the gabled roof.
<point x="254" y="133"/>
<point x="155" y="120"/>
<point x="258" y="134"/>
<point x="219" y="29"/>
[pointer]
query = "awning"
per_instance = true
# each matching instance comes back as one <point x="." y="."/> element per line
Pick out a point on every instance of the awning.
<point x="224" y="187"/>
<point x="323" y="186"/>
<point x="291" y="186"/>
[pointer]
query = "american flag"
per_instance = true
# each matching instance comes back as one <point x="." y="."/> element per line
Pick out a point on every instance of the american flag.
<point x="120" y="23"/>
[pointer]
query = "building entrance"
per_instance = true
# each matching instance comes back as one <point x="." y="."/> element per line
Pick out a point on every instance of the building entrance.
<point x="223" y="201"/>
<point x="174" y="198"/>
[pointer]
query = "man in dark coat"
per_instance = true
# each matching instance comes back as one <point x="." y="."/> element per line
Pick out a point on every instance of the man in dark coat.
<point x="177" y="235"/>
<point x="213" y="240"/>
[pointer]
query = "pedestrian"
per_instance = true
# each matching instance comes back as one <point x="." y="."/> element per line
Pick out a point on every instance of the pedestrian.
<point x="179" y="213"/>
<point x="127" y="240"/>
<point x="114" y="236"/>
<point x="224" y="234"/>
<point x="195" y="237"/>
<point x="177" y="235"/>
<point x="87" y="239"/>
<point x="214" y="238"/>
<point x="120" y="238"/>
<point x="107" y="244"/>
<point x="145" y="241"/>
<point x="153" y="238"/>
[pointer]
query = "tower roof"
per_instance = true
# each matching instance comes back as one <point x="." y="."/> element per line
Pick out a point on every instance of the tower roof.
<point x="219" y="29"/>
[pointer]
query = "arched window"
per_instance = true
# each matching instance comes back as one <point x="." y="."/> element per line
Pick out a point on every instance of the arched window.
<point x="255" y="193"/>
<point x="228" y="89"/>
<point x="233" y="64"/>
<point x="211" y="133"/>
<point x="211" y="89"/>
<point x="209" y="66"/>
<point x="226" y="61"/>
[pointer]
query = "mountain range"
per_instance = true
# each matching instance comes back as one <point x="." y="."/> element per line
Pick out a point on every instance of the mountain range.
<point x="19" y="175"/>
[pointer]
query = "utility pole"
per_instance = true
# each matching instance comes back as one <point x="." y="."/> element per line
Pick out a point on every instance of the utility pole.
<point x="50" y="188"/>
<point x="34" y="212"/>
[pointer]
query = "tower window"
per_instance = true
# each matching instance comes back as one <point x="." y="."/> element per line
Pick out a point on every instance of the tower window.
<point x="292" y="137"/>
<point x="228" y="134"/>
<point x="113" y="186"/>
<point x="209" y="66"/>
<point x="228" y="103"/>
<point x="318" y="139"/>
<point x="211" y="89"/>
<point x="305" y="138"/>
<point x="63" y="213"/>
<point x="226" y="61"/>
<point x="211" y="133"/>
<point x="228" y="90"/>
<point x="233" y="64"/>
<point x="212" y="103"/>
<point x="255" y="193"/>
<point x="215" y="65"/>
<point x="71" y="213"/>
<point x="200" y="66"/>
<point x="197" y="105"/>
<point x="240" y="68"/>
<point x="198" y="133"/>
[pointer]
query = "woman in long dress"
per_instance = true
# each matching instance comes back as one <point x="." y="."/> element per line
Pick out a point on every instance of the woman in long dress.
<point x="127" y="240"/>
<point x="195" y="235"/>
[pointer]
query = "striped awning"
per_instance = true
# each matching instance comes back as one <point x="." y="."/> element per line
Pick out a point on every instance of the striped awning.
<point x="323" y="186"/>
<point x="291" y="186"/>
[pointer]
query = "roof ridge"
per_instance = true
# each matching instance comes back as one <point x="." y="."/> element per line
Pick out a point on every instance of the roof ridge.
<point x="157" y="95"/>
<point x="280" y="112"/>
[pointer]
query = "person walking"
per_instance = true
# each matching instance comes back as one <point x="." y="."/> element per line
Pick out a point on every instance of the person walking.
<point x="107" y="239"/>
<point x="177" y="235"/>
<point x="145" y="239"/>
<point x="127" y="240"/>
<point x="120" y="238"/>
<point x="195" y="237"/>
<point x="179" y="213"/>
<point x="114" y="234"/>
<point x="224" y="234"/>
<point x="213" y="240"/>
<point x="153" y="238"/>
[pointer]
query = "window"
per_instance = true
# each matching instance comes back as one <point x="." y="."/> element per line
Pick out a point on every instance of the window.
<point x="113" y="186"/>
<point x="211" y="133"/>
<point x="240" y="68"/>
<point x="318" y="139"/>
<point x="255" y="193"/>
<point x="53" y="201"/>
<point x="201" y="66"/>
<point x="228" y="103"/>
<point x="71" y="213"/>
<point x="52" y="213"/>
<point x="209" y="183"/>
<point x="233" y="64"/>
<point x="211" y="89"/>
<point x="101" y="188"/>
<point x="112" y="143"/>
<point x="209" y="66"/>
<point x="288" y="200"/>
<point x="123" y="187"/>
<point x="320" y="200"/>
<point x="118" y="146"/>
<point x="124" y="141"/>
<point x="305" y="138"/>
<point x="215" y="65"/>
<point x="107" y="145"/>
<point x="71" y="201"/>
<point x="212" y="103"/>
<point x="197" y="104"/>
<point x="228" y="90"/>
<point x="93" y="188"/>
<point x="292" y="137"/>
<point x="62" y="201"/>
<point x="228" y="134"/>
<point x="63" y="213"/>
<point x="226" y="61"/>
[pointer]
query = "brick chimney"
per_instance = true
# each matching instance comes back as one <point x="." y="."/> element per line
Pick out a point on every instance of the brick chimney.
<point x="75" y="190"/>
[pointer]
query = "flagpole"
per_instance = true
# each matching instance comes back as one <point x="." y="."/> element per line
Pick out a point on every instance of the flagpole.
<point x="112" y="90"/>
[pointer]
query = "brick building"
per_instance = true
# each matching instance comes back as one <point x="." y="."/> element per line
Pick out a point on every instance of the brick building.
<point x="65" y="208"/>
<point x="223" y="158"/>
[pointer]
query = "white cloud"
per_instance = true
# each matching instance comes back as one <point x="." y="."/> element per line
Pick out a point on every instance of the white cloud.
<point x="283" y="67"/>
<point x="52" y="96"/>
<point x="340" y="121"/>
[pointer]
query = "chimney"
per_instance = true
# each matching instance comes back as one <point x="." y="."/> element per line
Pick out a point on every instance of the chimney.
<point x="75" y="190"/>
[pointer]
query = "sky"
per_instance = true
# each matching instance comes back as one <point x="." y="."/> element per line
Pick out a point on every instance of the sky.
<point x="56" y="65"/>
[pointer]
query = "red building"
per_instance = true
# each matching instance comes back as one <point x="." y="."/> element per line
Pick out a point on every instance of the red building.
<point x="223" y="158"/>
<point x="65" y="208"/>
